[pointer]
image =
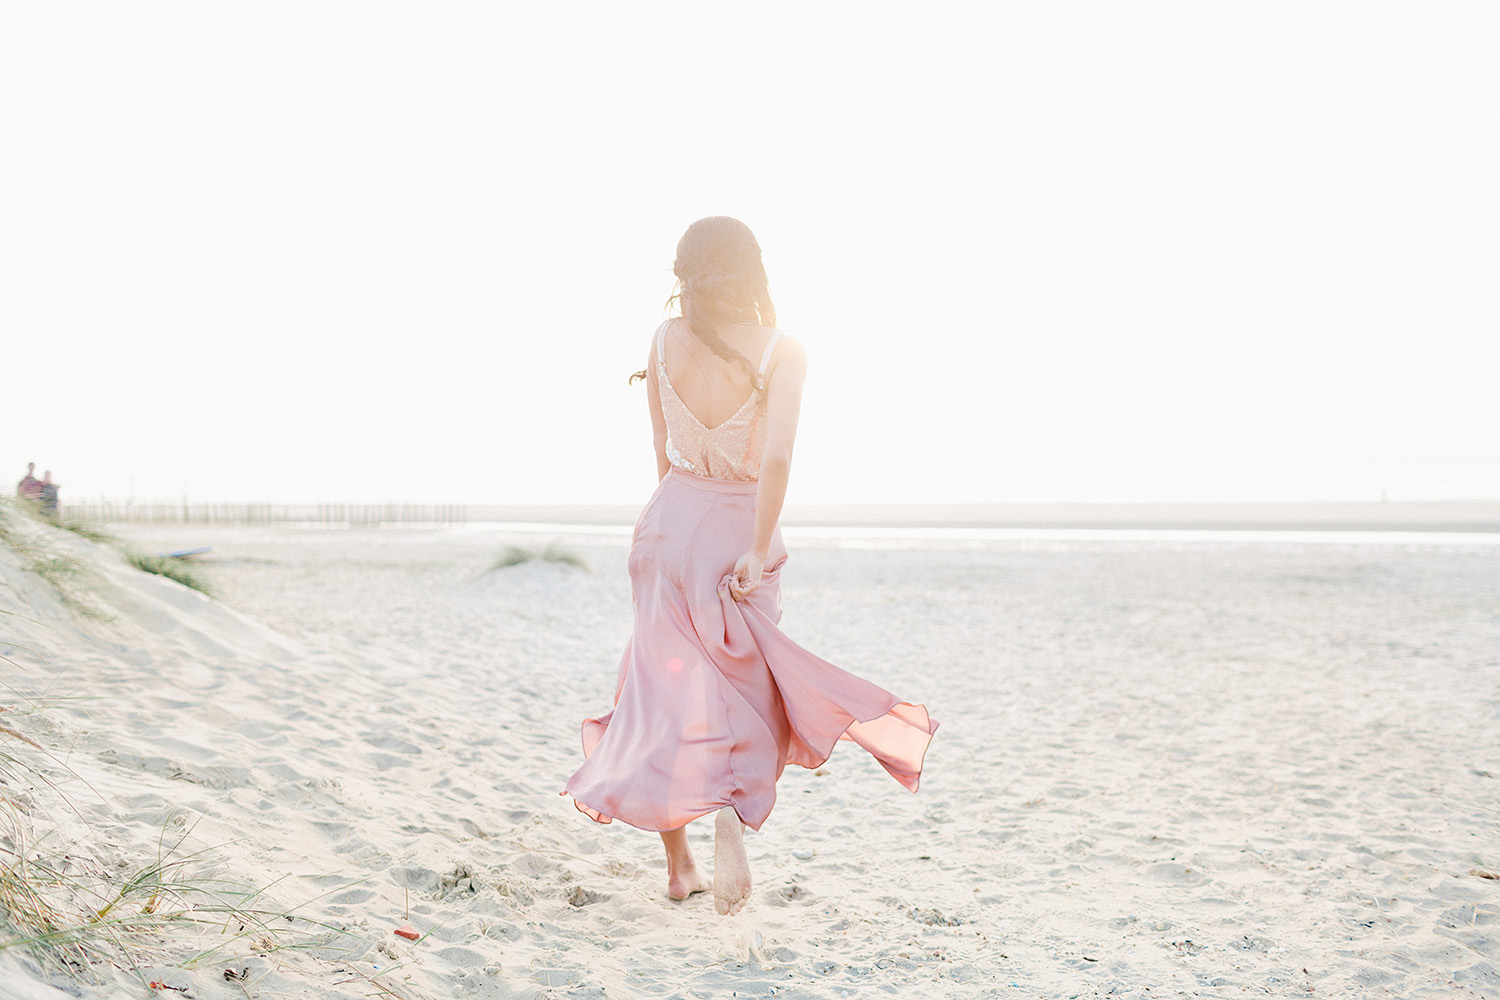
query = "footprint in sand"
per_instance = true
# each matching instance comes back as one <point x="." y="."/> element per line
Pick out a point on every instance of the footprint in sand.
<point x="579" y="896"/>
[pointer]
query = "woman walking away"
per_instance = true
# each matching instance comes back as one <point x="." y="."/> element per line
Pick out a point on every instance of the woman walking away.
<point x="712" y="700"/>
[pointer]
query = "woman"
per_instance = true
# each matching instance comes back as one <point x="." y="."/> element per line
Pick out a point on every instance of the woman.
<point x="712" y="700"/>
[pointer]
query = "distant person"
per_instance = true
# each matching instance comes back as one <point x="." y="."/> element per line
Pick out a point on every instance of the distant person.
<point x="47" y="494"/>
<point x="30" y="487"/>
<point x="713" y="700"/>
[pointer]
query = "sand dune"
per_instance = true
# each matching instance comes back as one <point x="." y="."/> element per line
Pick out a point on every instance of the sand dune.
<point x="1208" y="769"/>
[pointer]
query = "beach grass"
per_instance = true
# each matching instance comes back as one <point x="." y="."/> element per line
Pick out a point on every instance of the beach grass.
<point x="91" y="530"/>
<point x="74" y="584"/>
<point x="72" y="913"/>
<point x="11" y="766"/>
<point x="76" y="587"/>
<point x="63" y="572"/>
<point x="10" y="510"/>
<point x="68" y="576"/>
<point x="171" y="568"/>
<point x="516" y="555"/>
<point x="75" y="914"/>
<point x="10" y="533"/>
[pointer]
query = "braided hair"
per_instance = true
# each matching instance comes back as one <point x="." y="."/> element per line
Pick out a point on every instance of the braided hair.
<point x="721" y="279"/>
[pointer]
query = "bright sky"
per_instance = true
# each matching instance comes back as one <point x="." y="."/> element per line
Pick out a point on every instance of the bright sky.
<point x="369" y="251"/>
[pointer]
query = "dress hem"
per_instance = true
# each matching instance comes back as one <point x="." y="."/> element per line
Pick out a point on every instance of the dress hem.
<point x="604" y="819"/>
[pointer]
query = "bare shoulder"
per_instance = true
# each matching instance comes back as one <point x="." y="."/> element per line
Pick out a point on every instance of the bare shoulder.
<point x="788" y="360"/>
<point x="656" y="335"/>
<point x="789" y="350"/>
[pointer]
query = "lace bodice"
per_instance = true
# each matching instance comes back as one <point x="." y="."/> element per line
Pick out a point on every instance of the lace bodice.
<point x="730" y="450"/>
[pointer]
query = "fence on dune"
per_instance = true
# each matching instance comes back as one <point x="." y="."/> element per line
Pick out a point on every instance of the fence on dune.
<point x="332" y="514"/>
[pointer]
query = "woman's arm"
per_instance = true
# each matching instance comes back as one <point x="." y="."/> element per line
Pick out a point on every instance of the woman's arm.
<point x="658" y="422"/>
<point x="783" y="406"/>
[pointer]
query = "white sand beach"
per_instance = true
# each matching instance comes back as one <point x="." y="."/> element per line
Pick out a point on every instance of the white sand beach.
<point x="1167" y="767"/>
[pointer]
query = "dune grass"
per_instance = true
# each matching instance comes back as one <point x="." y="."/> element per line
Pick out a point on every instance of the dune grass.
<point x="171" y="568"/>
<point x="76" y="587"/>
<point x="74" y="914"/>
<point x="10" y="530"/>
<point x="90" y="530"/>
<point x="93" y="531"/>
<point x="57" y="568"/>
<point x="11" y="766"/>
<point x="69" y="577"/>
<point x="78" y="912"/>
<point x="516" y="555"/>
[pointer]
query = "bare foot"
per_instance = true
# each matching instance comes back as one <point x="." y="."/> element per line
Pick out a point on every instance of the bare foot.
<point x="685" y="881"/>
<point x="731" y="866"/>
<point x="682" y="873"/>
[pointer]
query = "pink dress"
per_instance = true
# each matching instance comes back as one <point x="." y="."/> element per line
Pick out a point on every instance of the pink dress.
<point x="712" y="700"/>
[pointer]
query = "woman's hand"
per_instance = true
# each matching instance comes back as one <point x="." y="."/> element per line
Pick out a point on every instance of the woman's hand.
<point x="747" y="573"/>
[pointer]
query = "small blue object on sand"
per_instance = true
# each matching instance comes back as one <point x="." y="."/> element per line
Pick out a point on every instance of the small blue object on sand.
<point x="184" y="553"/>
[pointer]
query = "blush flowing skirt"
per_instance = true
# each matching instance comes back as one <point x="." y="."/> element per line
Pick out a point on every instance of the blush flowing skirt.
<point x="712" y="700"/>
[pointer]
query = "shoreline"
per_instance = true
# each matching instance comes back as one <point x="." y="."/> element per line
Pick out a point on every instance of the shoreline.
<point x="1459" y="516"/>
<point x="1426" y="516"/>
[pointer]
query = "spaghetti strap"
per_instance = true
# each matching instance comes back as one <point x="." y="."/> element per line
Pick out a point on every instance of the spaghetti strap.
<point x="765" y="359"/>
<point x="661" y="343"/>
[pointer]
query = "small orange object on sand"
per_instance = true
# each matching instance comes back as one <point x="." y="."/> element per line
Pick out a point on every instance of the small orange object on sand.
<point x="407" y="931"/>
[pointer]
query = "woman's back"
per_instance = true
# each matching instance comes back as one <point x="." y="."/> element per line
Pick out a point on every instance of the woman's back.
<point x="713" y="388"/>
<point x="714" y="409"/>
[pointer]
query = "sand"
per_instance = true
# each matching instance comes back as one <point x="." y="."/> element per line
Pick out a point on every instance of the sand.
<point x="1181" y="768"/>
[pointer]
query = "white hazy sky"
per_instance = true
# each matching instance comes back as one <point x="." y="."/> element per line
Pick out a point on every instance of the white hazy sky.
<point x="370" y="251"/>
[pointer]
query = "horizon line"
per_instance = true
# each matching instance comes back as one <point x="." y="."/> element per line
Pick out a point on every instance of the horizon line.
<point x="1310" y="515"/>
